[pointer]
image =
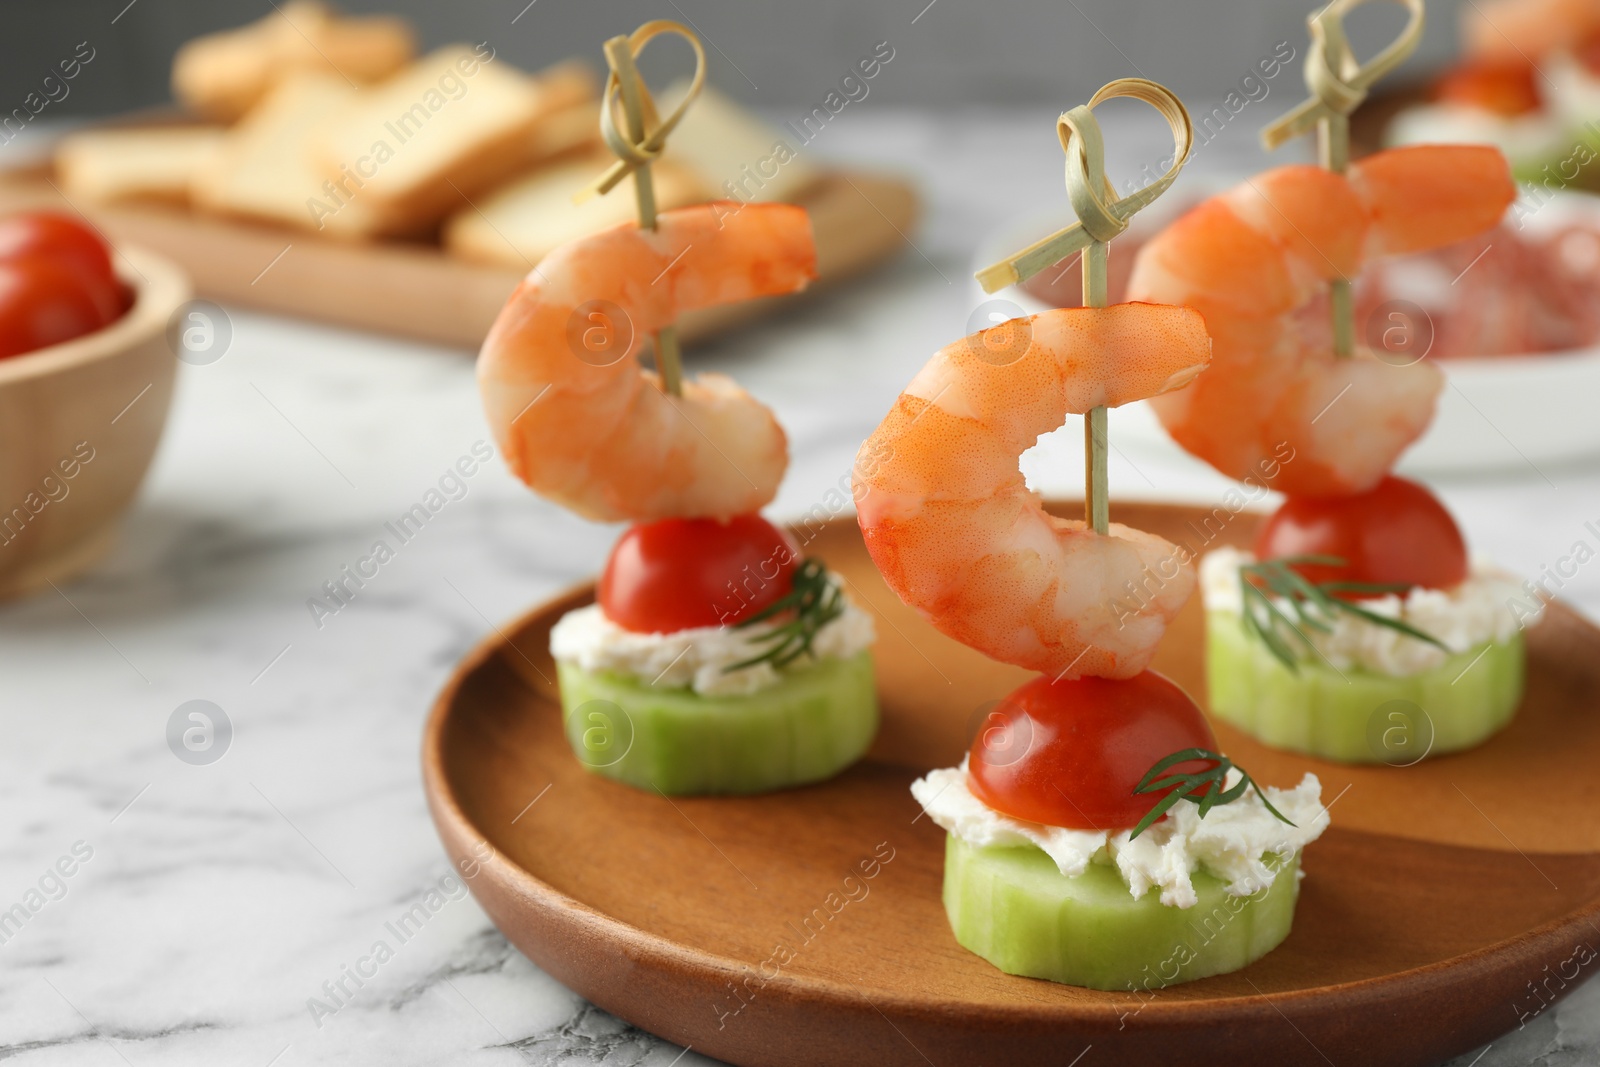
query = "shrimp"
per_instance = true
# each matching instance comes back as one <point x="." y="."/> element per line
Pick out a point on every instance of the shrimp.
<point x="583" y="424"/>
<point x="956" y="532"/>
<point x="1256" y="262"/>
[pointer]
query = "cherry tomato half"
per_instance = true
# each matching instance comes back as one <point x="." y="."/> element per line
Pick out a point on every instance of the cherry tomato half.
<point x="45" y="233"/>
<point x="1395" y="533"/>
<point x="1070" y="753"/>
<point x="678" y="574"/>
<point x="44" y="301"/>
<point x="1508" y="89"/>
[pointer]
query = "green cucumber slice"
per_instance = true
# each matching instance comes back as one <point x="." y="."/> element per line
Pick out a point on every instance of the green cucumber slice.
<point x="1360" y="716"/>
<point x="812" y="724"/>
<point x="1536" y="167"/>
<point x="1013" y="907"/>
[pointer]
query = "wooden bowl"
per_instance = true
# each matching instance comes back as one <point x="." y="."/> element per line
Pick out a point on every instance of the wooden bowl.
<point x="79" y="423"/>
<point x="1449" y="902"/>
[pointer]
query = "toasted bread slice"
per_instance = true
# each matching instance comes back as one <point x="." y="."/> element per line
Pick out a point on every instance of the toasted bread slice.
<point x="566" y="84"/>
<point x="447" y="128"/>
<point x="223" y="75"/>
<point x="734" y="152"/>
<point x="268" y="168"/>
<point x="717" y="151"/>
<point x="149" y="164"/>
<point x="572" y="130"/>
<point x="520" y="223"/>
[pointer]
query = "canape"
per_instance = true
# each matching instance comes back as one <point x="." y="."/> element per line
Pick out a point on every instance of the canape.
<point x="1360" y="630"/>
<point x="716" y="660"/>
<point x="1058" y="866"/>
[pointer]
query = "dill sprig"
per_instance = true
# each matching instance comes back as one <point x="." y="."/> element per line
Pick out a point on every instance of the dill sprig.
<point x="1311" y="604"/>
<point x="1205" y="788"/>
<point x="814" y="601"/>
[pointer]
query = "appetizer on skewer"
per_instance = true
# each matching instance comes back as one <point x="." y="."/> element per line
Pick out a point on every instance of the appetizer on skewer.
<point x="1069" y="855"/>
<point x="716" y="660"/>
<point x="1360" y="592"/>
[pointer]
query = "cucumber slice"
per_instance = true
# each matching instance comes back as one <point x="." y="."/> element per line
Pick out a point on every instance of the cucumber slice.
<point x="1535" y="167"/>
<point x="1015" y="909"/>
<point x="812" y="724"/>
<point x="1360" y="716"/>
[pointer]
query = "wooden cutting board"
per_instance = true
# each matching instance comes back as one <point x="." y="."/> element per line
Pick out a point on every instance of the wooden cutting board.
<point x="414" y="289"/>
<point x="1449" y="901"/>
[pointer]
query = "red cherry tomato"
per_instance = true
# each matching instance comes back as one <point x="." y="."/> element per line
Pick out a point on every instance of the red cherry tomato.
<point x="45" y="233"/>
<point x="44" y="301"/>
<point x="1070" y="753"/>
<point x="1508" y="89"/>
<point x="677" y="574"/>
<point x="1395" y="533"/>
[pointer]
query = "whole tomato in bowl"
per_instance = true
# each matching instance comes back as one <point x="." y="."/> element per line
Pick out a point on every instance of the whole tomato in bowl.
<point x="56" y="282"/>
<point x="86" y="377"/>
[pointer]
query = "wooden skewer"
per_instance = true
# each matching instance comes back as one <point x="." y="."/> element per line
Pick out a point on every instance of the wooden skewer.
<point x="1101" y="216"/>
<point x="639" y="111"/>
<point x="1338" y="83"/>
<point x="1096" y="444"/>
<point x="639" y="146"/>
<point x="1333" y="153"/>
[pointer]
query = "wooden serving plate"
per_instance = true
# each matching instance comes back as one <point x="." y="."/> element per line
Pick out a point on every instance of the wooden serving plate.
<point x="413" y="288"/>
<point x="1450" y="900"/>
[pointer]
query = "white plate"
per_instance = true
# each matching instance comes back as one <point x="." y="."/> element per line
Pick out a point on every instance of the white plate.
<point x="1497" y="415"/>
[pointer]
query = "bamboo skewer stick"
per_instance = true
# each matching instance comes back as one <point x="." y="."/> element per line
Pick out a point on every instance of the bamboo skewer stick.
<point x="1096" y="473"/>
<point x="620" y="58"/>
<point x="1101" y="216"/>
<point x="640" y="145"/>
<point x="1338" y="83"/>
<point x="1333" y="153"/>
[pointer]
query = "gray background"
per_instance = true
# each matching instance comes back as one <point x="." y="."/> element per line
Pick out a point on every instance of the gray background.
<point x="958" y="53"/>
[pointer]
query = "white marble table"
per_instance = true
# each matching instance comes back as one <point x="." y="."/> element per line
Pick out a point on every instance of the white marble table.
<point x="218" y="899"/>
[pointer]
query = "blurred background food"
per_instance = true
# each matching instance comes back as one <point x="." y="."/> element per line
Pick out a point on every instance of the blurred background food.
<point x="222" y="76"/>
<point x="331" y="128"/>
<point x="1527" y="80"/>
<point x="522" y="220"/>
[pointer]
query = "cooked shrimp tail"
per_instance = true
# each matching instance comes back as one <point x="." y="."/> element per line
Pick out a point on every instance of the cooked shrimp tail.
<point x="582" y="424"/>
<point x="1257" y="263"/>
<point x="956" y="532"/>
